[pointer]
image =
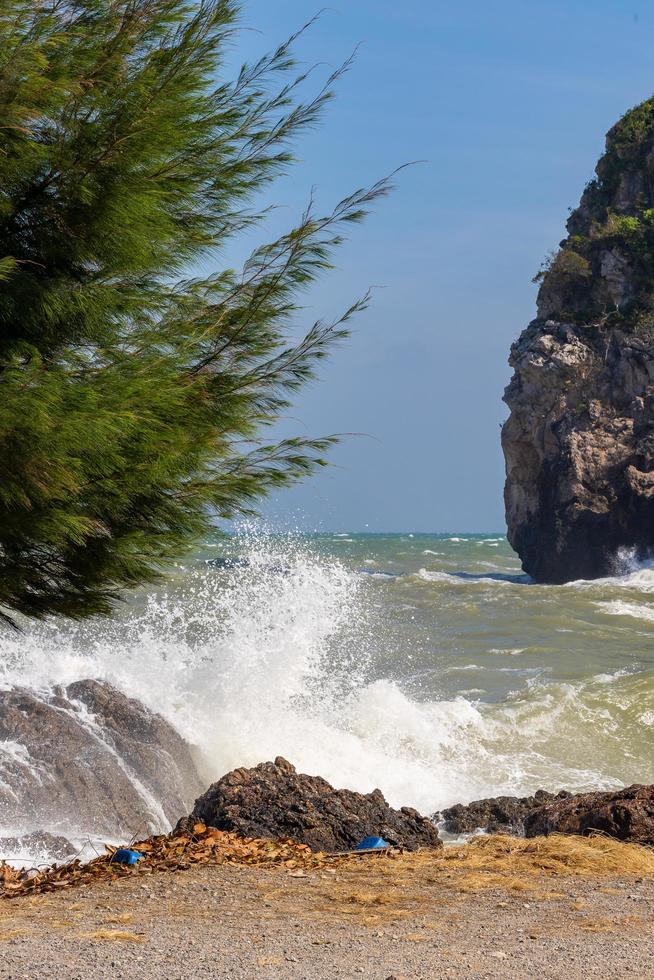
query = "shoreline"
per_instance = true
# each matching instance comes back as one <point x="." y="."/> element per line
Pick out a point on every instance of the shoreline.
<point x="416" y="916"/>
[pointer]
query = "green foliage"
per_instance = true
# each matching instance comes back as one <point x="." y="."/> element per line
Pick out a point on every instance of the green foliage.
<point x="613" y="232"/>
<point x="564" y="264"/>
<point x="621" y="226"/>
<point x="132" y="398"/>
<point x="627" y="145"/>
<point x="634" y="127"/>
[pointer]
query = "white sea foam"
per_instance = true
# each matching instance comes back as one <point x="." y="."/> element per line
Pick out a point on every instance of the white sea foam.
<point x="635" y="610"/>
<point x="273" y="657"/>
<point x="631" y="574"/>
<point x="14" y="756"/>
<point x="427" y="575"/>
<point x="382" y="576"/>
<point x="259" y="664"/>
<point x="470" y="578"/>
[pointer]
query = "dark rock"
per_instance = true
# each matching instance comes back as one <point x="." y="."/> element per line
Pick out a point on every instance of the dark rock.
<point x="579" y="441"/>
<point x="274" y="801"/>
<point x="39" y="843"/>
<point x="88" y="759"/>
<point x="497" y="815"/>
<point x="626" y="814"/>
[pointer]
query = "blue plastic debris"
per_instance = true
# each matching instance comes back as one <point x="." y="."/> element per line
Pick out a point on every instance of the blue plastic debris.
<point x="372" y="844"/>
<point x="124" y="856"/>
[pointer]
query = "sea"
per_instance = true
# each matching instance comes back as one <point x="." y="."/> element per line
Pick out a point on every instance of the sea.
<point x="427" y="665"/>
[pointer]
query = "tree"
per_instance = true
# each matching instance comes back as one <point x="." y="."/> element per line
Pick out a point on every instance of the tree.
<point x="132" y="397"/>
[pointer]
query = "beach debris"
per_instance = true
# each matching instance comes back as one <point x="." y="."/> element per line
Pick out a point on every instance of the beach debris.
<point x="125" y="856"/>
<point x="372" y="844"/>
<point x="173" y="852"/>
<point x="273" y="800"/>
<point x="490" y="862"/>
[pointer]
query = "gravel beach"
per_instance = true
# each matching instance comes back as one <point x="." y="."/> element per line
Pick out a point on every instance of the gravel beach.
<point x="376" y="919"/>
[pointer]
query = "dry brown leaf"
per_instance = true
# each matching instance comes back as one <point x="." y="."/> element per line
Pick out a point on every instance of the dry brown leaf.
<point x="170" y="853"/>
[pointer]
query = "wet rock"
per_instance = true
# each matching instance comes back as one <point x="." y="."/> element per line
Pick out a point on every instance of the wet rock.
<point x="89" y="760"/>
<point x="496" y="815"/>
<point x="272" y="800"/>
<point x="579" y="440"/>
<point x="627" y="815"/>
<point x="39" y="843"/>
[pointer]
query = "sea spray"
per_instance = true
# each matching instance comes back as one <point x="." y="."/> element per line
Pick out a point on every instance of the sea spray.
<point x="268" y="645"/>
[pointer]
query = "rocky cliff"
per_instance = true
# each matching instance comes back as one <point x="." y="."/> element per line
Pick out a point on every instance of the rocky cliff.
<point x="579" y="441"/>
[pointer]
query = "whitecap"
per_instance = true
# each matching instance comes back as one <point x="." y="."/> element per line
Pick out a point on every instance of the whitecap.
<point x="249" y="664"/>
<point x="634" y="610"/>
<point x="508" y="651"/>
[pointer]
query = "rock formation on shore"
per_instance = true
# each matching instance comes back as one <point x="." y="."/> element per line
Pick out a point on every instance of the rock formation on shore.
<point x="626" y="814"/>
<point x="497" y="814"/>
<point x="579" y="441"/>
<point x="89" y="760"/>
<point x="49" y="847"/>
<point x="274" y="801"/>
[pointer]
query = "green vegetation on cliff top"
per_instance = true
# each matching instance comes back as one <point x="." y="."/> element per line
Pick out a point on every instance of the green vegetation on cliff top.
<point x="615" y="215"/>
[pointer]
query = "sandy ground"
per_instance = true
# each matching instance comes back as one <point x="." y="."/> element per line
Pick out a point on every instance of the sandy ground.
<point x="378" y="918"/>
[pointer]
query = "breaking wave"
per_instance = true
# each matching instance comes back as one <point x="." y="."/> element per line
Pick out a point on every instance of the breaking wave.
<point x="286" y="653"/>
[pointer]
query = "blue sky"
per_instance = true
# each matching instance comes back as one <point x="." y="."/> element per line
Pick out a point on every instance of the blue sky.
<point x="507" y="103"/>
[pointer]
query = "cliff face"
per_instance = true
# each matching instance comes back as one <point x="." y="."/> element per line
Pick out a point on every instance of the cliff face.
<point x="579" y="441"/>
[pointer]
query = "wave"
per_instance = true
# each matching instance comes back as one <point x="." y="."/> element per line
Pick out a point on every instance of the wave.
<point x="374" y="573"/>
<point x="467" y="578"/>
<point x="249" y="664"/>
<point x="617" y="607"/>
<point x="508" y="651"/>
<point x="630" y="573"/>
